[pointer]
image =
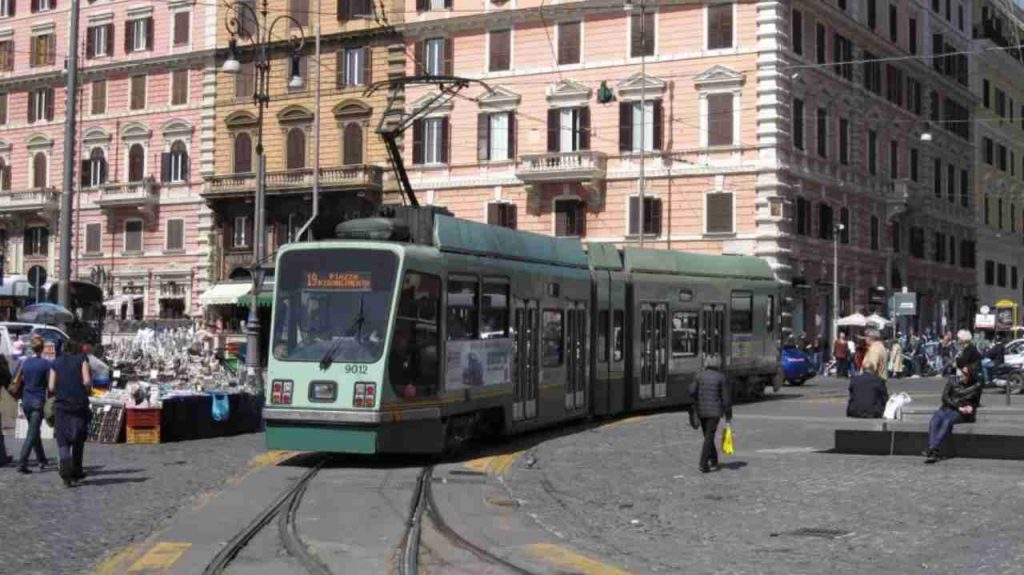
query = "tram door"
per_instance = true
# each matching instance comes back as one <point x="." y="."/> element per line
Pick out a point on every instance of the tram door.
<point x="576" y="357"/>
<point x="526" y="359"/>
<point x="653" y="350"/>
<point x="712" y="331"/>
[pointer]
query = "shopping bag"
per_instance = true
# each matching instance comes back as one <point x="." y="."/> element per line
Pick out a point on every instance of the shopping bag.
<point x="221" y="408"/>
<point x="727" y="447"/>
<point x="894" y="407"/>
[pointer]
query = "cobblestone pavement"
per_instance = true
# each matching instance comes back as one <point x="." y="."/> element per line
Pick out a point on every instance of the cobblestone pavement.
<point x="630" y="492"/>
<point x="131" y="491"/>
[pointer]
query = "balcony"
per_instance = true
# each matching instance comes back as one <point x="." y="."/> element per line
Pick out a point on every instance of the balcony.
<point x="142" y="195"/>
<point x="32" y="200"/>
<point x="582" y="166"/>
<point x="355" y="177"/>
<point x="897" y="200"/>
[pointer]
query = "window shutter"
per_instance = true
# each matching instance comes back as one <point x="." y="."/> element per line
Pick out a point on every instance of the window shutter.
<point x="367" y="66"/>
<point x="656" y="217"/>
<point x="422" y="6"/>
<point x="129" y="36"/>
<point x="483" y="138"/>
<point x="634" y="215"/>
<point x="584" y="128"/>
<point x="181" y="28"/>
<point x="511" y="136"/>
<point x="720" y="120"/>
<point x="11" y="8"/>
<point x="514" y="216"/>
<point x="35" y="6"/>
<point x="110" y="39"/>
<point x="149" y="33"/>
<point x="449" y="54"/>
<point x="419" y="66"/>
<point x="553" y="127"/>
<point x="445" y="140"/>
<point x="561" y="219"/>
<point x="103" y="170"/>
<point x="32" y="96"/>
<point x="494" y="214"/>
<point x="447" y="4"/>
<point x="659" y="122"/>
<point x="339" y="74"/>
<point x="90" y="44"/>
<point x="625" y="126"/>
<point x="185" y="175"/>
<point x="51" y="49"/>
<point x="86" y="173"/>
<point x="345" y="9"/>
<point x="49" y="103"/>
<point x="417" y="142"/>
<point x="5" y="177"/>
<point x="719" y="213"/>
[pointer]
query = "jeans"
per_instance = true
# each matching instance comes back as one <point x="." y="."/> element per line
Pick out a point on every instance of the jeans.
<point x="941" y="425"/>
<point x="817" y="362"/>
<point x="842" y="367"/>
<point x="33" y="440"/>
<point x="708" y="453"/>
<point x="71" y="432"/>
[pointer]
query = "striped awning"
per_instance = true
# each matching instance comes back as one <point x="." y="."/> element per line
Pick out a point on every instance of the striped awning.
<point x="225" y="293"/>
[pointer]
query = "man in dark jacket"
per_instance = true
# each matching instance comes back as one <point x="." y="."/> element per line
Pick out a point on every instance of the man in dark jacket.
<point x="868" y="394"/>
<point x="960" y="401"/>
<point x="712" y="396"/>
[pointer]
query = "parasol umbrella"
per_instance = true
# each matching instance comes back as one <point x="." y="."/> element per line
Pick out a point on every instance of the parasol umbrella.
<point x="877" y="321"/>
<point x="49" y="313"/>
<point x="854" y="320"/>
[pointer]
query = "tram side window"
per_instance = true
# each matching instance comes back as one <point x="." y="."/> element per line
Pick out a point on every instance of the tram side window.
<point x="602" y="335"/>
<point x="494" y="310"/>
<point x="741" y="318"/>
<point x="462" y="308"/>
<point x="684" y="334"/>
<point x="413" y="361"/>
<point x="618" y="335"/>
<point x="553" y="327"/>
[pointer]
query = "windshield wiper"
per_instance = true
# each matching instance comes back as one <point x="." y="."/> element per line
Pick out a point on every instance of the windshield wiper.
<point x="357" y="327"/>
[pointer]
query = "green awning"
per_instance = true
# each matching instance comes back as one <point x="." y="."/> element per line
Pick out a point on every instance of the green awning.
<point x="263" y="299"/>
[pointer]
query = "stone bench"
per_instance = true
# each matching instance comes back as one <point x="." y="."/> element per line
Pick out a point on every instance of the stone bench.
<point x="989" y="438"/>
<point x="988" y="412"/>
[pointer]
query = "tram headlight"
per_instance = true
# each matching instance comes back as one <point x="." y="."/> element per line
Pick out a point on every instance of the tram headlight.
<point x="364" y="394"/>
<point x="281" y="391"/>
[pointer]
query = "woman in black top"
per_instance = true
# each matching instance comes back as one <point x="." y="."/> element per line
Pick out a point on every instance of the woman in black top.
<point x="70" y="383"/>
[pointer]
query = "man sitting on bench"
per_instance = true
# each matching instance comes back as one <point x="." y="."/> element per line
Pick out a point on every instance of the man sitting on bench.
<point x="868" y="393"/>
<point x="959" y="405"/>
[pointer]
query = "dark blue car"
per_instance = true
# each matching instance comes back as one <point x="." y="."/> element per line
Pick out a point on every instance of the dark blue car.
<point x="797" y="367"/>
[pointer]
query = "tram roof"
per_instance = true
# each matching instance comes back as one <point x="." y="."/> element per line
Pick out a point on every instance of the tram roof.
<point x="464" y="236"/>
<point x="691" y="264"/>
<point x="604" y="256"/>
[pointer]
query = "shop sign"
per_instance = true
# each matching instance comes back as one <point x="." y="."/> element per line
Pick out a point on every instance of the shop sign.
<point x="984" y="321"/>
<point x="904" y="303"/>
<point x="6" y="302"/>
<point x="1004" y="318"/>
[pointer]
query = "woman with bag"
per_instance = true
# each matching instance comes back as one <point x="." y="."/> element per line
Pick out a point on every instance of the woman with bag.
<point x="33" y="372"/>
<point x="712" y="396"/>
<point x="70" y="382"/>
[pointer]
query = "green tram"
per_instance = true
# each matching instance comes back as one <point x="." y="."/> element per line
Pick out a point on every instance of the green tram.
<point x="410" y="333"/>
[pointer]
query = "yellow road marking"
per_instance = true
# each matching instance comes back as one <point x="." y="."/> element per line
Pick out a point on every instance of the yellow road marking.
<point x="116" y="562"/>
<point x="160" y="557"/>
<point x="571" y="560"/>
<point x="270" y="458"/>
<point x="624" y="421"/>
<point x="494" y="464"/>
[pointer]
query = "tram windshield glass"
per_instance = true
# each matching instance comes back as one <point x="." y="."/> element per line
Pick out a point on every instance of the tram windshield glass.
<point x="333" y="305"/>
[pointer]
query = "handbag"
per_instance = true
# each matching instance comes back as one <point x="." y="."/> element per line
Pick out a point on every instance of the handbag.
<point x="694" y="420"/>
<point x="50" y="410"/>
<point x="17" y="384"/>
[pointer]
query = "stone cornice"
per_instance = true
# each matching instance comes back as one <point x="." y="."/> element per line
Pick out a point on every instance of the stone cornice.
<point x="114" y="67"/>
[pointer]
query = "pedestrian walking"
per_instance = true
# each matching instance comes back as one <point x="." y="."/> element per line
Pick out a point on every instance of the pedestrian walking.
<point x="841" y="351"/>
<point x="70" y="382"/>
<point x="876" y="356"/>
<point x="35" y="373"/>
<point x="960" y="400"/>
<point x="712" y="396"/>
<point x="896" y="358"/>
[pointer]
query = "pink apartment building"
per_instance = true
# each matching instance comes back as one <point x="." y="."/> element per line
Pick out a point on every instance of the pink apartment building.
<point x="761" y="125"/>
<point x="141" y="111"/>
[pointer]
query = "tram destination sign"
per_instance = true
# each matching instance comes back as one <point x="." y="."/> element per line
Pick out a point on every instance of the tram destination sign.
<point x="340" y="281"/>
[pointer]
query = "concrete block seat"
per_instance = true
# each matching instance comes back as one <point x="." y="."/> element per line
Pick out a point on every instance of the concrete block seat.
<point x="997" y="434"/>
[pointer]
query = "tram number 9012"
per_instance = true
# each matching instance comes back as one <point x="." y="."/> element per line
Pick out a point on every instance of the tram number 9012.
<point x="356" y="369"/>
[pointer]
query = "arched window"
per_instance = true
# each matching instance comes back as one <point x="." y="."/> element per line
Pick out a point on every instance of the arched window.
<point x="5" y="176"/>
<point x="243" y="153"/>
<point x="296" y="148"/>
<point x="353" y="140"/>
<point x="39" y="175"/>
<point x="136" y="163"/>
<point x="97" y="168"/>
<point x="178" y="162"/>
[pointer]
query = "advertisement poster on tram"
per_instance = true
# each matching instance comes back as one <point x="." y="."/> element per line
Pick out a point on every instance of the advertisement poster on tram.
<point x="478" y="363"/>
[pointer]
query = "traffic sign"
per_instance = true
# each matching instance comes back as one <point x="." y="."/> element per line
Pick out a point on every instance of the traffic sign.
<point x="37" y="276"/>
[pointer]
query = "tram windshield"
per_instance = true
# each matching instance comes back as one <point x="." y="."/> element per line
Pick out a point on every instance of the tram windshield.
<point x="333" y="305"/>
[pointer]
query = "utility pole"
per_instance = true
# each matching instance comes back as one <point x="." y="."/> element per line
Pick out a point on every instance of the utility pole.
<point x="71" y="95"/>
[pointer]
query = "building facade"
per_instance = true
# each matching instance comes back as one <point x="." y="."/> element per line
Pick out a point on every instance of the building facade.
<point x="760" y="126"/>
<point x="999" y="180"/>
<point x="139" y="107"/>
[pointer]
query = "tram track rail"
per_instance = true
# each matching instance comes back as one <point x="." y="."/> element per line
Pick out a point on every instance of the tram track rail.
<point x="423" y="505"/>
<point x="285" y="508"/>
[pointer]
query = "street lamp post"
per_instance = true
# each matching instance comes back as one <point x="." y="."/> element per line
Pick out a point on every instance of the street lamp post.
<point x="244" y="22"/>
<point x="836" y="230"/>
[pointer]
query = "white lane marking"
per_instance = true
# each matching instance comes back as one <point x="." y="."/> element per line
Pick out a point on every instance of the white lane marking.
<point x="784" y="450"/>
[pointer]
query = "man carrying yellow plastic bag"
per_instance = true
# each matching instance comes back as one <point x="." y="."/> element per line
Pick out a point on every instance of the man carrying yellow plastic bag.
<point x="712" y="397"/>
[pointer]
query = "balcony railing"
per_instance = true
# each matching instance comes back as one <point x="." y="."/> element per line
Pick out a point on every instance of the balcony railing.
<point x="561" y="167"/>
<point x="129" y="194"/>
<point x="34" y="199"/>
<point x="338" y="177"/>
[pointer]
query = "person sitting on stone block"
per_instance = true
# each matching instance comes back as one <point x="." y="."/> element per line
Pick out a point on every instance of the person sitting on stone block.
<point x="868" y="393"/>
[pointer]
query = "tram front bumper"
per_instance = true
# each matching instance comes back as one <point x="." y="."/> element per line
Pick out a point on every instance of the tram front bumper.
<point x="353" y="431"/>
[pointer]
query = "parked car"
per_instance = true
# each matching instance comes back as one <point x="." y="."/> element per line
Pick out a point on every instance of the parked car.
<point x="23" y="331"/>
<point x="1014" y="352"/>
<point x="796" y="366"/>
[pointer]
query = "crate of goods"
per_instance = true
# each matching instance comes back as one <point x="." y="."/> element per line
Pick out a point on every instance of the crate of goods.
<point x="144" y="417"/>
<point x="144" y="434"/>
